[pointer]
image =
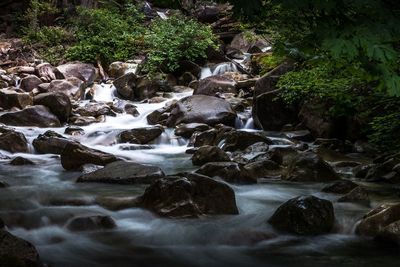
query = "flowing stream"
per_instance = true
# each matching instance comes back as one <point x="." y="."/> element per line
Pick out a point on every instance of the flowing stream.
<point x="42" y="199"/>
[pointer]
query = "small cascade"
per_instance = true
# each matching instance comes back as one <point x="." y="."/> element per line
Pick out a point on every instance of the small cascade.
<point x="162" y="15"/>
<point x="249" y="124"/>
<point x="104" y="92"/>
<point x="224" y="67"/>
<point x="205" y="72"/>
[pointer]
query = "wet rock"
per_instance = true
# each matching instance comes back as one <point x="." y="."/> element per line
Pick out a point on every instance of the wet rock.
<point x="13" y="142"/>
<point x="240" y="140"/>
<point x="207" y="154"/>
<point x="210" y="137"/>
<point x="91" y="223"/>
<point x="122" y="172"/>
<point x="375" y="221"/>
<point x="72" y="87"/>
<point x="17" y="252"/>
<point x="10" y="99"/>
<point x="30" y="82"/>
<point x="82" y="71"/>
<point x="340" y="187"/>
<point x="39" y="116"/>
<point x="262" y="169"/>
<point x="2" y="185"/>
<point x="188" y="196"/>
<point x="357" y="195"/>
<point x="282" y="155"/>
<point x="309" y="167"/>
<point x="72" y="130"/>
<point x="46" y="72"/>
<point x="75" y="155"/>
<point x="160" y="116"/>
<point x="361" y="171"/>
<point x="390" y="234"/>
<point x="118" y="69"/>
<point x="58" y="103"/>
<point x="300" y="135"/>
<point x="125" y="85"/>
<point x="94" y="109"/>
<point x="82" y="121"/>
<point x="231" y="172"/>
<point x="21" y="161"/>
<point x="304" y="215"/>
<point x="131" y="109"/>
<point x="201" y="109"/>
<point x="187" y="130"/>
<point x="50" y="143"/>
<point x="117" y="203"/>
<point x="133" y="87"/>
<point x="215" y="84"/>
<point x="140" y="135"/>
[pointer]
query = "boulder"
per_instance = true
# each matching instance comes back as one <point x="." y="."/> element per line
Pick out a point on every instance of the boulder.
<point x="201" y="109"/>
<point x="58" y="103"/>
<point x="357" y="195"/>
<point x="118" y="69"/>
<point x="207" y="154"/>
<point x="190" y="196"/>
<point x="125" y="85"/>
<point x="50" y="143"/>
<point x="91" y="223"/>
<point x="30" y="82"/>
<point x="187" y="130"/>
<point x="340" y="187"/>
<point x="75" y="155"/>
<point x="16" y="252"/>
<point x="133" y="87"/>
<point x="82" y="71"/>
<point x="72" y="87"/>
<point x="18" y="161"/>
<point x="231" y="172"/>
<point x="240" y="140"/>
<point x="10" y="99"/>
<point x="13" y="141"/>
<point x="94" y="109"/>
<point x="39" y="116"/>
<point x="215" y="84"/>
<point x="309" y="167"/>
<point x="122" y="172"/>
<point x="140" y="135"/>
<point x="46" y="72"/>
<point x="262" y="169"/>
<point x="304" y="215"/>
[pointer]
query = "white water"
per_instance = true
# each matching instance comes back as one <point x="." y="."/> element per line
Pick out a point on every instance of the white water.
<point x="218" y="69"/>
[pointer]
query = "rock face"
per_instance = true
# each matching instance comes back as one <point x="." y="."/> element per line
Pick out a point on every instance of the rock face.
<point x="188" y="196"/>
<point x="82" y="71"/>
<point x="215" y="84"/>
<point x="309" y="167"/>
<point x="75" y="155"/>
<point x="30" y="82"/>
<point x="39" y="116"/>
<point x="209" y="154"/>
<point x="58" y="103"/>
<point x="17" y="252"/>
<point x="140" y="135"/>
<point x="201" y="109"/>
<point x="304" y="215"/>
<point x="50" y="143"/>
<point x="91" y="223"/>
<point x="10" y="98"/>
<point x="13" y="142"/>
<point x="122" y="172"/>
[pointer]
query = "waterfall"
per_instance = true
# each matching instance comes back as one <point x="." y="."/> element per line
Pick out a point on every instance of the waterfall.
<point x="104" y="92"/>
<point x="218" y="69"/>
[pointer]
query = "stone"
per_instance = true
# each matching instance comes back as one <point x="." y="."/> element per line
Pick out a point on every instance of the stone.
<point x="187" y="130"/>
<point x="230" y="172"/>
<point x="188" y="196"/>
<point x="58" y="103"/>
<point x="39" y="116"/>
<point x="304" y="215"/>
<point x="95" y="109"/>
<point x="262" y="169"/>
<point x="140" y="135"/>
<point x="10" y="99"/>
<point x="82" y="71"/>
<point x="240" y="140"/>
<point x="123" y="172"/>
<point x="30" y="82"/>
<point x="45" y="71"/>
<point x="17" y="161"/>
<point x="72" y="87"/>
<point x="309" y="167"/>
<point x="75" y="155"/>
<point x="14" y="142"/>
<point x="50" y="143"/>
<point x="118" y="69"/>
<point x="340" y="187"/>
<point x="91" y="223"/>
<point x="207" y="154"/>
<point x="213" y="85"/>
<point x="357" y="195"/>
<point x="73" y="130"/>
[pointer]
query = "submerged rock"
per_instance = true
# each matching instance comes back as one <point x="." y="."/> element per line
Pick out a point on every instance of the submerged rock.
<point x="188" y="196"/>
<point x="39" y="116"/>
<point x="304" y="215"/>
<point x="91" y="223"/>
<point x="122" y="172"/>
<point x="140" y="135"/>
<point x="21" y="161"/>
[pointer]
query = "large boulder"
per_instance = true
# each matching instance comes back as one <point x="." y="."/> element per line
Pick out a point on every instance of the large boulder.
<point x="58" y="103"/>
<point x="309" y="167"/>
<point x="16" y="252"/>
<point x="123" y="172"/>
<point x="50" y="143"/>
<point x="13" y="141"/>
<point x="231" y="172"/>
<point x="133" y="87"/>
<point x="72" y="87"/>
<point x="304" y="215"/>
<point x="82" y="71"/>
<point x="30" y="82"/>
<point x="207" y="154"/>
<point x="201" y="109"/>
<point x="215" y="84"/>
<point x="190" y="195"/>
<point x="91" y="223"/>
<point x="140" y="135"/>
<point x="39" y="116"/>
<point x="76" y="155"/>
<point x="10" y="98"/>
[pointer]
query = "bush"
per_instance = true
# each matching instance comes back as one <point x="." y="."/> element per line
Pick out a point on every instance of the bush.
<point x="175" y="39"/>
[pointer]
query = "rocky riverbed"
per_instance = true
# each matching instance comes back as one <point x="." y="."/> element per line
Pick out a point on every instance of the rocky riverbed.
<point x="200" y="168"/>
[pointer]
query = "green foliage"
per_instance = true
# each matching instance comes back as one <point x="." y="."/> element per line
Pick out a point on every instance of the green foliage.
<point x="48" y="36"/>
<point x="175" y="39"/>
<point x="106" y="35"/>
<point x="268" y="62"/>
<point x="36" y="14"/>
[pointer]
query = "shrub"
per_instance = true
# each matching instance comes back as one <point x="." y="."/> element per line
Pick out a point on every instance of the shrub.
<point x="175" y="39"/>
